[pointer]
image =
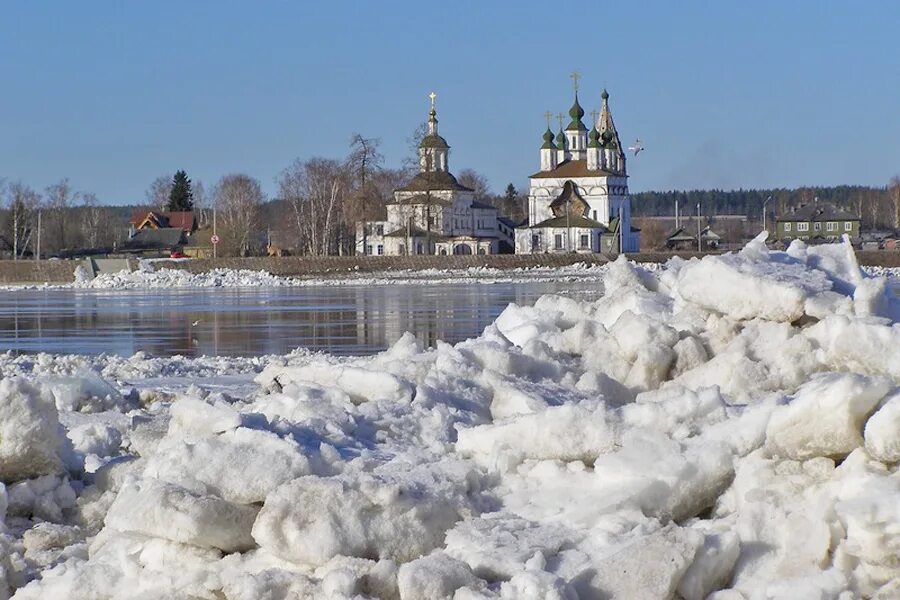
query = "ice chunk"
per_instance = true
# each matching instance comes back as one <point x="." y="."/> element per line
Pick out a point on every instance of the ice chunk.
<point x="194" y="416"/>
<point x="568" y="432"/>
<point x="241" y="466"/>
<point x="826" y="416"/>
<point x="32" y="442"/>
<point x="359" y="383"/>
<point x="882" y="433"/>
<point x="712" y="566"/>
<point x="433" y="577"/>
<point x="164" y="510"/>
<point x="312" y="519"/>
<point x="646" y="568"/>
<point x="498" y="547"/>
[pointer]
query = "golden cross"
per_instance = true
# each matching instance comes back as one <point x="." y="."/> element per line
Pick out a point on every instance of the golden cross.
<point x="548" y="115"/>
<point x="575" y="77"/>
<point x="560" y="117"/>
<point x="432" y="95"/>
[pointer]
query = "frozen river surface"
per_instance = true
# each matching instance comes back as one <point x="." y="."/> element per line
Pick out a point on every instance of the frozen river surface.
<point x="344" y="320"/>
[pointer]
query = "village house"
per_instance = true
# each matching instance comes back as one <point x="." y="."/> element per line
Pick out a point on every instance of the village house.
<point x="159" y="232"/>
<point x="817" y="223"/>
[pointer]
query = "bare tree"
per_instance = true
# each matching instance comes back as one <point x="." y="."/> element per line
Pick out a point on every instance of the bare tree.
<point x="478" y="182"/>
<point x="59" y="198"/>
<point x="316" y="190"/>
<point x="238" y="198"/>
<point x="158" y="193"/>
<point x="201" y="203"/>
<point x="894" y="201"/>
<point x="363" y="161"/>
<point x="22" y="203"/>
<point x="96" y="222"/>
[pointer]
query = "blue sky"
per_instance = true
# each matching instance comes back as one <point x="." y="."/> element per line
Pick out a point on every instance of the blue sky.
<point x="723" y="94"/>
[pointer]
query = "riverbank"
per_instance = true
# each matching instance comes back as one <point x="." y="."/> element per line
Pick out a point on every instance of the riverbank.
<point x="63" y="271"/>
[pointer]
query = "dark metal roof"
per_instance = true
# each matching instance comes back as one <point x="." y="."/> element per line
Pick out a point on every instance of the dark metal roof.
<point x="433" y="181"/>
<point x="571" y="221"/>
<point x="572" y="168"/>
<point x="156" y="239"/>
<point x="819" y="212"/>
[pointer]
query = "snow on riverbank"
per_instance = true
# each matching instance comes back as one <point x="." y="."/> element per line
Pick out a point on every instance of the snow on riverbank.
<point x="723" y="426"/>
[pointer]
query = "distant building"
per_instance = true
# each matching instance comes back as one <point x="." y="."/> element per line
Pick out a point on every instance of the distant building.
<point x="578" y="201"/>
<point x="818" y="222"/>
<point x="159" y="232"/>
<point x="434" y="213"/>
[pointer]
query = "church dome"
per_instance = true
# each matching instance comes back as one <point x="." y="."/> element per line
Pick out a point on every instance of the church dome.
<point x="433" y="140"/>
<point x="576" y="113"/>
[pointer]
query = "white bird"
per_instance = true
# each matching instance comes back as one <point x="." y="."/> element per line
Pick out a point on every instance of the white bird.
<point x="637" y="147"/>
<point x="195" y="323"/>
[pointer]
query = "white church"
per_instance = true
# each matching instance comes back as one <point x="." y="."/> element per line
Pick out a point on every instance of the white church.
<point x="578" y="201"/>
<point x="434" y="213"/>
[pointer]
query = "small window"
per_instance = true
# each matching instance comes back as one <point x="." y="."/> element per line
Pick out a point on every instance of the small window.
<point x="585" y="240"/>
<point x="380" y="249"/>
<point x="369" y="249"/>
<point x="787" y="226"/>
<point x="558" y="239"/>
<point x="380" y="229"/>
<point x="802" y="226"/>
<point x="817" y="226"/>
<point x="481" y="251"/>
<point x="535" y="242"/>
<point x="594" y="215"/>
<point x="830" y="226"/>
<point x="848" y="226"/>
<point x="420" y="249"/>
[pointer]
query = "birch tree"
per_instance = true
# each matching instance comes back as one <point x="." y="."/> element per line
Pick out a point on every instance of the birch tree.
<point x="238" y="199"/>
<point x="157" y="194"/>
<point x="315" y="190"/>
<point x="59" y="198"/>
<point x="22" y="203"/>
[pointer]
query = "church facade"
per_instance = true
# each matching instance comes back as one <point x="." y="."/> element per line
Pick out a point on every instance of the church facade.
<point x="578" y="201"/>
<point x="434" y="213"/>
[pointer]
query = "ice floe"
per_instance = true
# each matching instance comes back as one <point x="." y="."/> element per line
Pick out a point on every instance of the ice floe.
<point x="721" y="428"/>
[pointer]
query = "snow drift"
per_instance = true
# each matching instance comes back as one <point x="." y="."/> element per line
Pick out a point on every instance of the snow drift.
<point x="724" y="428"/>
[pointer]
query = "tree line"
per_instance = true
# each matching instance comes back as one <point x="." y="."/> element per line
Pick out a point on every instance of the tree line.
<point x="878" y="207"/>
<point x="319" y="202"/>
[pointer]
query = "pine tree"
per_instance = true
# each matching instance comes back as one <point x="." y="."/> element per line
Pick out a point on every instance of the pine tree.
<point x="181" y="198"/>
<point x="511" y="193"/>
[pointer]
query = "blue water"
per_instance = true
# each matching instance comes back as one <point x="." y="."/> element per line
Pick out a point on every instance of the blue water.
<point x="346" y="320"/>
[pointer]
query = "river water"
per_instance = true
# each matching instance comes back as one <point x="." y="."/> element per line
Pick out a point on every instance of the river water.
<point x="346" y="320"/>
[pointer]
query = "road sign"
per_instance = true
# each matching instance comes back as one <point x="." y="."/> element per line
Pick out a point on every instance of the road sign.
<point x="214" y="239"/>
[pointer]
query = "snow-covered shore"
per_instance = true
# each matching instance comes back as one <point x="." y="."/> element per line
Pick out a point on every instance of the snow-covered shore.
<point x="724" y="426"/>
<point x="149" y="278"/>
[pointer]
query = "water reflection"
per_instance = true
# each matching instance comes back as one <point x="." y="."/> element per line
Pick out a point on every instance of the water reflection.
<point x="253" y="321"/>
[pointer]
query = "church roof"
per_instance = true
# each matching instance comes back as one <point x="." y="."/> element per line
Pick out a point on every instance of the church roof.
<point x="569" y="199"/>
<point x="433" y="181"/>
<point x="571" y="221"/>
<point x="433" y="140"/>
<point x="571" y="168"/>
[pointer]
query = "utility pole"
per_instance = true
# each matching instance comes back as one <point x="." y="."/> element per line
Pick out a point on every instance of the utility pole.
<point x="676" y="213"/>
<point x="568" y="223"/>
<point x="215" y="207"/>
<point x="699" y="241"/>
<point x="766" y="201"/>
<point x="37" y="255"/>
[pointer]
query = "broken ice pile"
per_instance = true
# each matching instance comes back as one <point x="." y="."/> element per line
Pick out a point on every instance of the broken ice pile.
<point x="723" y="428"/>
